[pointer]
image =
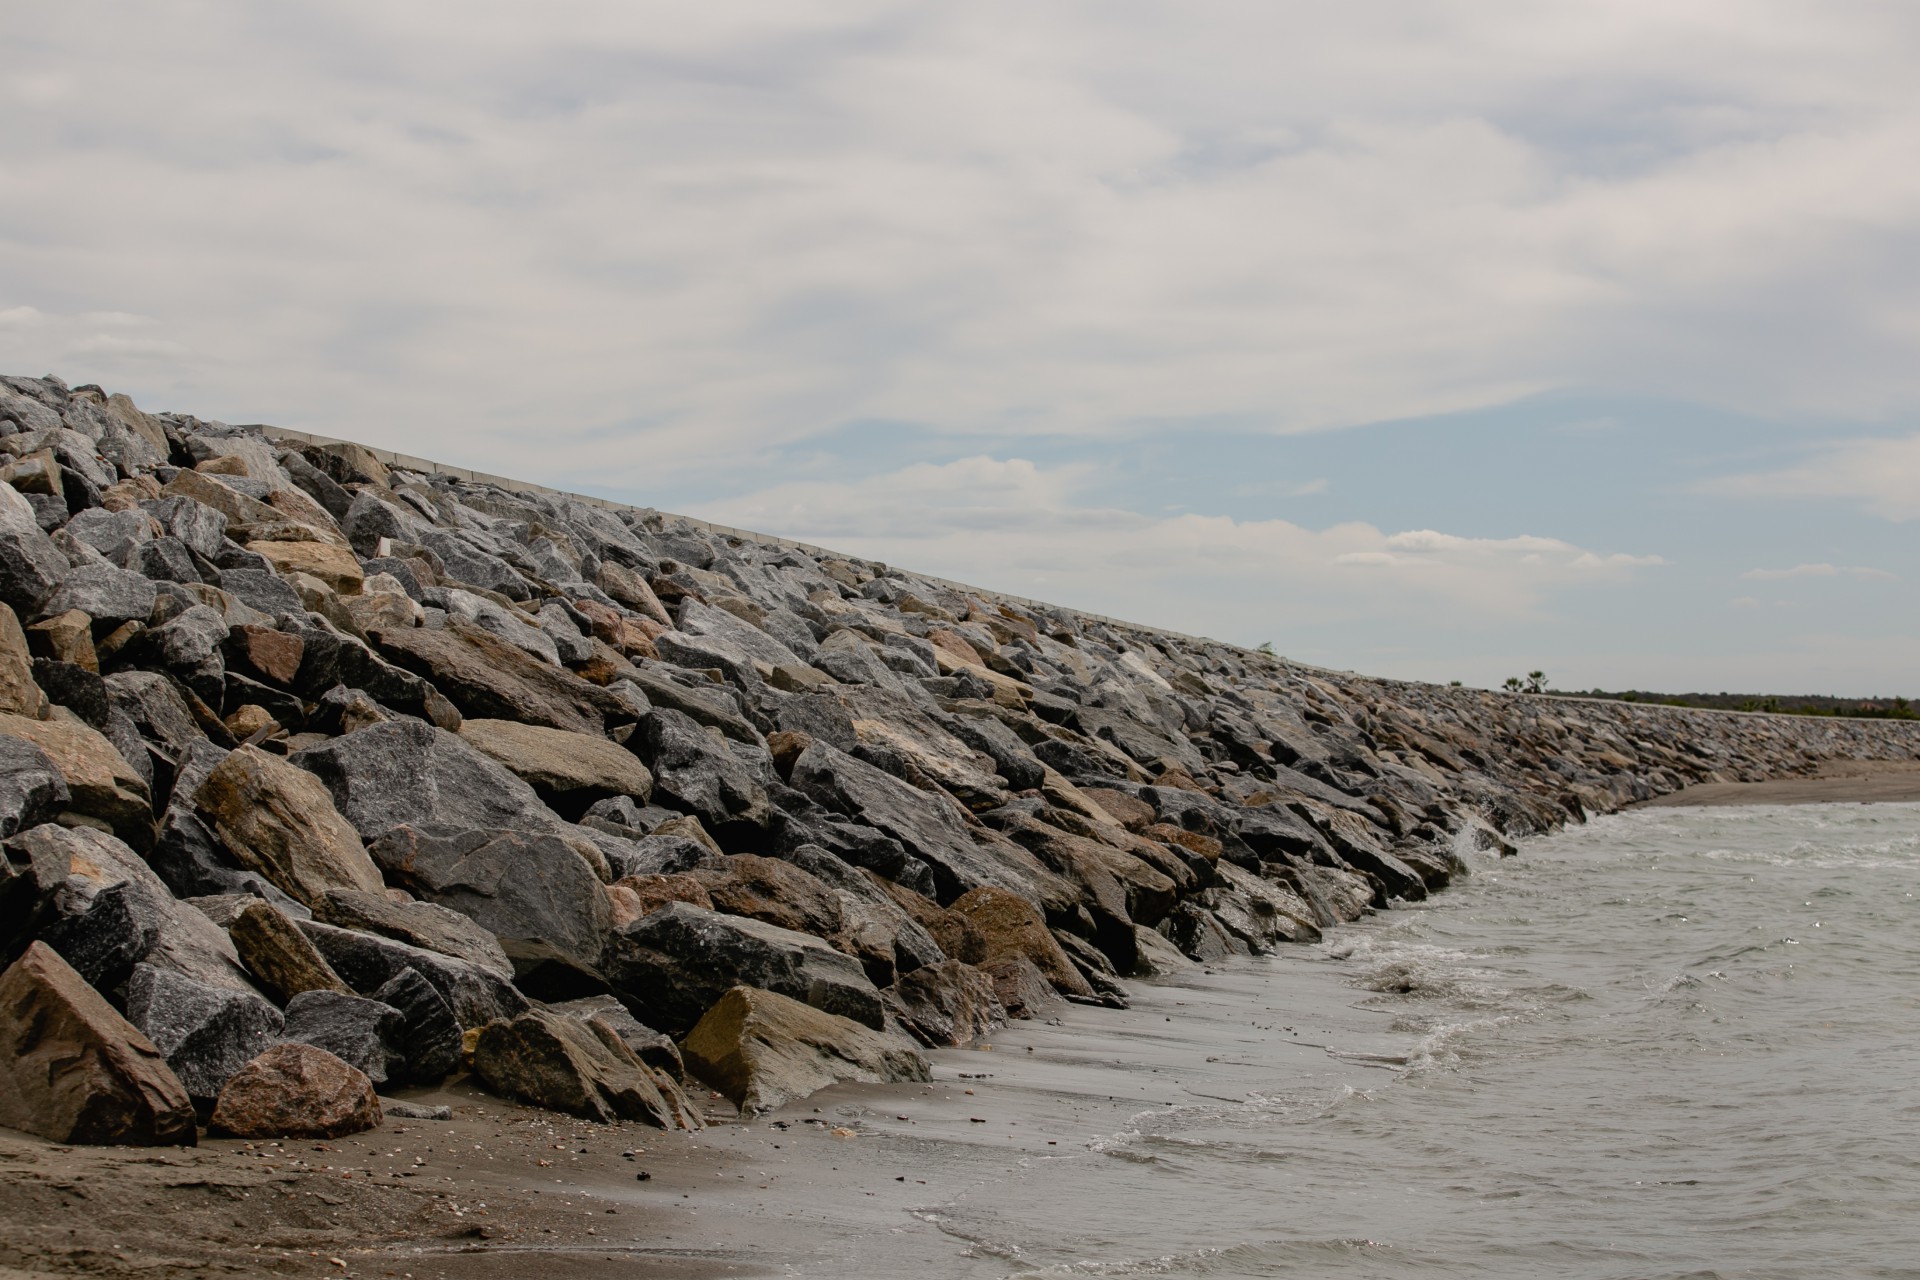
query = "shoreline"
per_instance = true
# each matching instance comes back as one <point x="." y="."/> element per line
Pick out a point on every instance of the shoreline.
<point x="483" y="1195"/>
<point x="1835" y="782"/>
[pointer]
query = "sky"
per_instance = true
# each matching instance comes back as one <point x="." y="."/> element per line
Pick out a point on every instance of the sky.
<point x="1424" y="338"/>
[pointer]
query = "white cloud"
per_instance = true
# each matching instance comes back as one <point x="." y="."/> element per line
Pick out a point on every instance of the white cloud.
<point x="1818" y="571"/>
<point x="1881" y="474"/>
<point x="1021" y="528"/>
<point x="443" y="227"/>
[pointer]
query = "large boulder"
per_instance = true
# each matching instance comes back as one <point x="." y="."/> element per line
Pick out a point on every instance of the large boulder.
<point x="19" y="695"/>
<point x="73" y="1070"/>
<point x="569" y="771"/>
<point x="207" y="1033"/>
<point x="277" y="954"/>
<point x="533" y="892"/>
<point x="30" y="565"/>
<point x="695" y="771"/>
<point x="672" y="965"/>
<point x="577" y="1066"/>
<point x="280" y="821"/>
<point x="368" y="962"/>
<point x="426" y="925"/>
<point x="104" y="592"/>
<point x="1010" y="925"/>
<point x="404" y="771"/>
<point x="103" y="786"/>
<point x="296" y="1091"/>
<point x="488" y="678"/>
<point x="429" y="1036"/>
<point x="365" y="1034"/>
<point x="764" y="1050"/>
<point x="114" y="911"/>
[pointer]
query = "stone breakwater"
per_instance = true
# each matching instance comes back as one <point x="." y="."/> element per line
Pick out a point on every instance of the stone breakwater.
<point x="321" y="777"/>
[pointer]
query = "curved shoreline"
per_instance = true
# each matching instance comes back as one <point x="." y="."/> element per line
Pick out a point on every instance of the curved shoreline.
<point x="1836" y="782"/>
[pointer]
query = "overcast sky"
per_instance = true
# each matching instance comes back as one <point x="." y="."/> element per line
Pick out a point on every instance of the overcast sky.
<point x="1421" y="337"/>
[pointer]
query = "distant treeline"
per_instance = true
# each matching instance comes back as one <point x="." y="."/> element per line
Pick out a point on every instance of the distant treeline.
<point x="1801" y="705"/>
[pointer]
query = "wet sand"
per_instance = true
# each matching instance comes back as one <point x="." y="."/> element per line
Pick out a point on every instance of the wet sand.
<point x="1836" y="782"/>
<point x="857" y="1181"/>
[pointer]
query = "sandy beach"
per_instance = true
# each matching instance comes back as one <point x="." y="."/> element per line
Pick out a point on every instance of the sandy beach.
<point x="1836" y="782"/>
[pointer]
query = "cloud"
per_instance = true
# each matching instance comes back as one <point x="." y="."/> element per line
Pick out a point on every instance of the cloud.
<point x="1023" y="528"/>
<point x="1880" y="474"/>
<point x="1818" y="571"/>
<point x="652" y="236"/>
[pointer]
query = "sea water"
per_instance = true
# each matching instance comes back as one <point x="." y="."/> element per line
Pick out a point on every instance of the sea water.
<point x="1669" y="1043"/>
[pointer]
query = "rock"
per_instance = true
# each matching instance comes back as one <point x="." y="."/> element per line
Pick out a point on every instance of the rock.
<point x="949" y="1003"/>
<point x="569" y="771"/>
<point x="65" y="637"/>
<point x="1023" y="990"/>
<point x="73" y="1070"/>
<point x="31" y="567"/>
<point x="19" y="695"/>
<point x="273" y="655"/>
<point x="393" y="1109"/>
<point x="365" y="1034"/>
<point x="278" y="955"/>
<point x="139" y="920"/>
<point x="696" y="772"/>
<point x="280" y="821"/>
<point x="296" y="1091"/>
<point x="532" y="892"/>
<point x="106" y="593"/>
<point x="408" y="772"/>
<point x="579" y="1067"/>
<point x="488" y="678"/>
<point x="418" y="924"/>
<point x="1010" y="925"/>
<point x="32" y="875"/>
<point x="508" y="624"/>
<point x="764" y="1050"/>
<point x="651" y="1047"/>
<point x="671" y="966"/>
<point x="207" y="1033"/>
<point x="332" y="565"/>
<point x="32" y="790"/>
<point x="429" y="1033"/>
<point x="367" y="962"/>
<point x="773" y="891"/>
<point x="101" y="784"/>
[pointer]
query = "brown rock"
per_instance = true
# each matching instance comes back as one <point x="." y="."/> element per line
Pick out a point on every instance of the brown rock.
<point x="1131" y="812"/>
<point x="569" y="770"/>
<point x="104" y="786"/>
<point x="650" y="893"/>
<point x="19" y="695"/>
<point x="777" y="892"/>
<point x="349" y="463"/>
<point x="955" y="933"/>
<point x="1192" y="841"/>
<point x="487" y="678"/>
<point x="67" y="637"/>
<point x="631" y="590"/>
<point x="1023" y="990"/>
<point x="231" y="465"/>
<point x="949" y="1003"/>
<point x="237" y="507"/>
<point x="580" y="1067"/>
<point x="334" y="566"/>
<point x="1012" y="926"/>
<point x="36" y="473"/>
<point x="296" y="1091"/>
<point x="425" y="925"/>
<point x="73" y="1070"/>
<point x="279" y="820"/>
<point x="785" y="746"/>
<point x="764" y="1050"/>
<point x="273" y="654"/>
<point x="129" y="493"/>
<point x="279" y="955"/>
<point x="248" y="719"/>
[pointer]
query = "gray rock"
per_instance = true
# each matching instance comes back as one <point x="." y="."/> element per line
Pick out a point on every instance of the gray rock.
<point x="429" y="1033"/>
<point x="200" y="528"/>
<point x="694" y="771"/>
<point x="393" y="1109"/>
<point x="418" y="924"/>
<point x="261" y="588"/>
<point x="532" y="892"/>
<point x="650" y="1046"/>
<point x="30" y="565"/>
<point x="31" y="788"/>
<point x="364" y="1034"/>
<point x="366" y="963"/>
<point x="506" y="624"/>
<point x="105" y="592"/>
<point x="105" y="531"/>
<point x="206" y="1033"/>
<point x="671" y="966"/>
<point x="408" y="772"/>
